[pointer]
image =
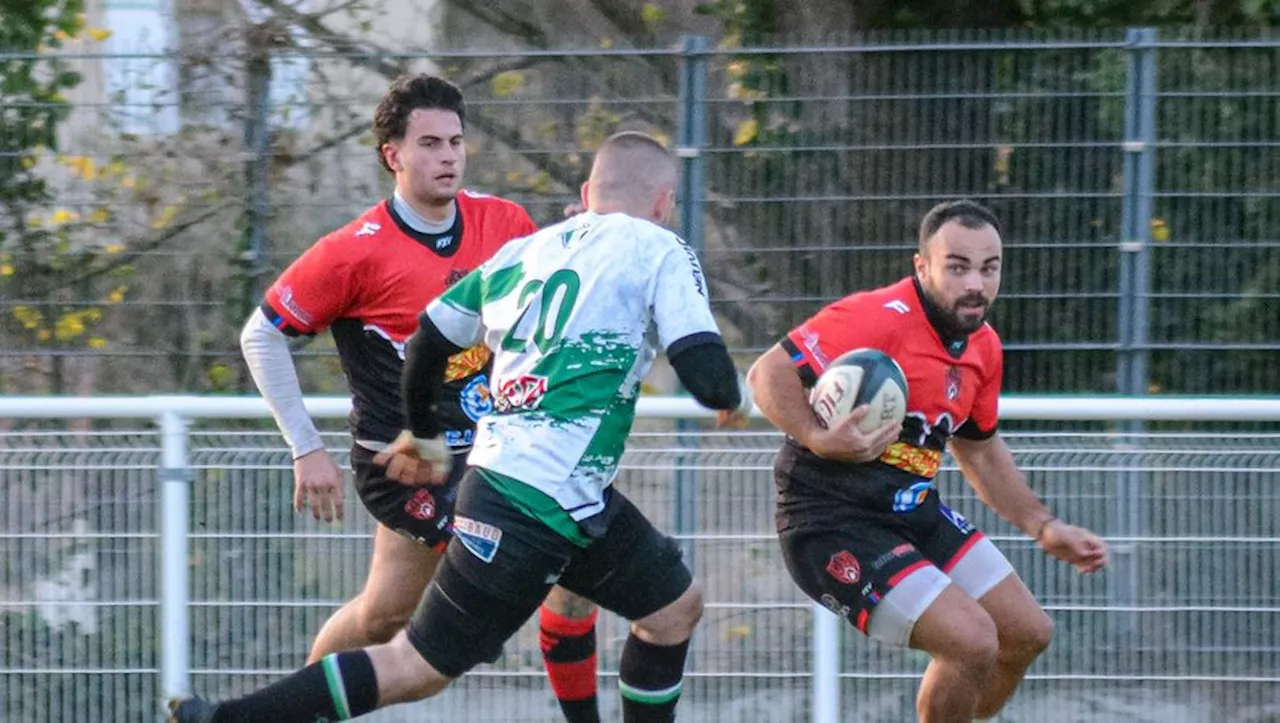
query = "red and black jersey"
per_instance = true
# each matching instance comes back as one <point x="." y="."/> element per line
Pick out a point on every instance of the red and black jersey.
<point x="953" y="384"/>
<point x="368" y="281"/>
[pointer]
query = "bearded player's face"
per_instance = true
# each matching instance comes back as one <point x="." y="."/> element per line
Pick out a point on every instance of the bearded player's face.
<point x="431" y="158"/>
<point x="960" y="270"/>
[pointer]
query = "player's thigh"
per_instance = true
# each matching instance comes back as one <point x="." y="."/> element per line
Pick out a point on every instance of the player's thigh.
<point x="421" y="514"/>
<point x="495" y="573"/>
<point x="633" y="570"/>
<point x="865" y="571"/>
<point x="398" y="574"/>
<point x="961" y="551"/>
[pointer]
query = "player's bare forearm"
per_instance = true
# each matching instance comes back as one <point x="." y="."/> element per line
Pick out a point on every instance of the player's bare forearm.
<point x="989" y="467"/>
<point x="780" y="396"/>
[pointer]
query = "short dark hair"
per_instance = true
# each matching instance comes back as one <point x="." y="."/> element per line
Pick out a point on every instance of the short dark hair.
<point x="969" y="214"/>
<point x="407" y="94"/>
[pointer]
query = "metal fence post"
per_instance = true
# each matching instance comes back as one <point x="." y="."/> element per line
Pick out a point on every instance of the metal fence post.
<point x="175" y="526"/>
<point x="826" y="666"/>
<point x="691" y="138"/>
<point x="1135" y="290"/>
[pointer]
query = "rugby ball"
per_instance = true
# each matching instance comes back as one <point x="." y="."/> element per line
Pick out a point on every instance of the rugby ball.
<point x="862" y="376"/>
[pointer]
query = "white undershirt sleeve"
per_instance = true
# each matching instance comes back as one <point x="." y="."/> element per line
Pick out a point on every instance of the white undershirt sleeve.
<point x="266" y="351"/>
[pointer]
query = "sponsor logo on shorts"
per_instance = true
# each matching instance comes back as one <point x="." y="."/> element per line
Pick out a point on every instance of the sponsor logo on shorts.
<point x="480" y="539"/>
<point x="475" y="398"/>
<point x="830" y="602"/>
<point x="908" y="499"/>
<point x="422" y="506"/>
<point x="957" y="519"/>
<point x="902" y="550"/>
<point x="843" y="566"/>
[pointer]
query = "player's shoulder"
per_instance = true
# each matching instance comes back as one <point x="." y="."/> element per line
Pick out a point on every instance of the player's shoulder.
<point x="363" y="234"/>
<point x="483" y="203"/>
<point x="893" y="301"/>
<point x="987" y="340"/>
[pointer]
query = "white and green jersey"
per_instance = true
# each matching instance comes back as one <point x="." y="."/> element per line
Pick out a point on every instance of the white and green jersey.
<point x="575" y="315"/>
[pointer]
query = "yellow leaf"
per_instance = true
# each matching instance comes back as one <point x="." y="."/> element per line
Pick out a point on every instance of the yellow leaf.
<point x="737" y="68"/>
<point x="88" y="170"/>
<point x="504" y="84"/>
<point x="69" y="326"/>
<point x="747" y="132"/>
<point x="99" y="34"/>
<point x="164" y="218"/>
<point x="28" y="162"/>
<point x="1159" y="230"/>
<point x="116" y="295"/>
<point x="60" y="35"/>
<point x="6" y="269"/>
<point x="606" y="43"/>
<point x="97" y="342"/>
<point x="651" y="15"/>
<point x="739" y="631"/>
<point x="128" y="182"/>
<point x="92" y="315"/>
<point x="35" y="222"/>
<point x="62" y="215"/>
<point x="101" y="215"/>
<point x="43" y="335"/>
<point x="113" y="248"/>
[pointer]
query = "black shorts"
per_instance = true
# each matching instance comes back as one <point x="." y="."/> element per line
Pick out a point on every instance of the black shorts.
<point x="484" y="591"/>
<point x="849" y="556"/>
<point x="423" y="514"/>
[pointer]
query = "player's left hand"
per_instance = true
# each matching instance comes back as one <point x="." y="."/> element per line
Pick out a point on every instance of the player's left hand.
<point x="1074" y="545"/>
<point x="415" y="462"/>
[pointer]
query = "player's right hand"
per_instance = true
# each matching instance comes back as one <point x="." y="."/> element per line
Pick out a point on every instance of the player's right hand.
<point x="415" y="462"/>
<point x="846" y="443"/>
<point x="317" y="482"/>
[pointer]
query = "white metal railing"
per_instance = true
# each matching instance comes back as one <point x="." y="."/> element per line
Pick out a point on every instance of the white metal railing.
<point x="173" y="413"/>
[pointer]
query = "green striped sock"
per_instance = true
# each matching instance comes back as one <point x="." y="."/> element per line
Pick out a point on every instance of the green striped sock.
<point x="337" y="690"/>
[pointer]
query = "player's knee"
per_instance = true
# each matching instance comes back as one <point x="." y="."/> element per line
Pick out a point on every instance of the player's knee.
<point x="379" y="623"/>
<point x="674" y="623"/>
<point x="1032" y="638"/>
<point x="977" y="645"/>
<point x="566" y="604"/>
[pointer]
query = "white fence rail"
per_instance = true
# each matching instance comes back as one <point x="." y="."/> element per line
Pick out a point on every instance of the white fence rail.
<point x="116" y="592"/>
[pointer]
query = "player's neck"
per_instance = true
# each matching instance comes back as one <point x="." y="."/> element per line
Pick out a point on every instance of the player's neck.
<point x="428" y="219"/>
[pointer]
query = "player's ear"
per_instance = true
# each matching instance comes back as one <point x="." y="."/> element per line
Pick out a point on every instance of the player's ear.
<point x="586" y="202"/>
<point x="391" y="154"/>
<point x="918" y="262"/>
<point x="663" y="205"/>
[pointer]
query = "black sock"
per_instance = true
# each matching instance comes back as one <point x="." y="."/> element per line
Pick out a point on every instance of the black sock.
<point x="339" y="687"/>
<point x="650" y="678"/>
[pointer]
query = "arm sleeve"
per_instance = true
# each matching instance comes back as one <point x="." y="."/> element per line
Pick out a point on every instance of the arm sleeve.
<point x="985" y="417"/>
<point x="837" y="328"/>
<point x="681" y="311"/>
<point x="316" y="289"/>
<point x="426" y="358"/>
<point x="266" y="352"/>
<point x="705" y="369"/>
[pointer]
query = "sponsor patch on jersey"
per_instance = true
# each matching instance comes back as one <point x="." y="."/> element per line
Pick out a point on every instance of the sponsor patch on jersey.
<point x="918" y="461"/>
<point x="844" y="567"/>
<point x="476" y="399"/>
<point x="522" y="393"/>
<point x="957" y="519"/>
<point x="953" y="382"/>
<point x="460" y="437"/>
<point x="467" y="362"/>
<point x="912" y="497"/>
<point x="480" y="539"/>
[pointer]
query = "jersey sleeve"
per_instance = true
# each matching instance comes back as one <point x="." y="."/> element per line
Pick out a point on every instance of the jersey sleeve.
<point x="680" y="307"/>
<point x="315" y="290"/>
<point x="456" y="312"/>
<point x="985" y="416"/>
<point x="839" y="327"/>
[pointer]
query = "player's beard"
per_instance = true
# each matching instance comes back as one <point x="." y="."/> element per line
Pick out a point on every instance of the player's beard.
<point x="967" y="324"/>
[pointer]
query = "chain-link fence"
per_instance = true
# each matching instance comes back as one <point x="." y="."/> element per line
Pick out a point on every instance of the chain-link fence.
<point x="1135" y="174"/>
